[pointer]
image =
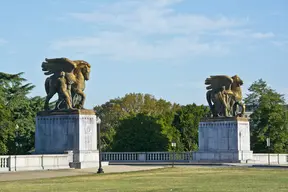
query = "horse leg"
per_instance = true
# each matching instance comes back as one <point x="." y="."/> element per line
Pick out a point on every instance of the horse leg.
<point x="48" y="97"/>
<point x="58" y="103"/>
<point x="212" y="106"/>
<point x="208" y="98"/>
<point x="224" y="104"/>
<point x="243" y="108"/>
<point x="235" y="105"/>
<point x="83" y="97"/>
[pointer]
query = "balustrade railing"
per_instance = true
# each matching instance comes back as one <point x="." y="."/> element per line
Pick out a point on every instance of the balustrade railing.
<point x="146" y="156"/>
<point x="271" y="158"/>
<point x="39" y="162"/>
<point x="33" y="162"/>
<point x="120" y="156"/>
<point x="4" y="162"/>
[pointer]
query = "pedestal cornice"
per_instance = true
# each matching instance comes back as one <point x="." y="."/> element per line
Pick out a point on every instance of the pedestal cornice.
<point x="67" y="112"/>
<point x="221" y="119"/>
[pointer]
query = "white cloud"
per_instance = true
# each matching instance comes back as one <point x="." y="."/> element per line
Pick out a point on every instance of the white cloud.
<point x="235" y="33"/>
<point x="263" y="35"/>
<point x="280" y="43"/>
<point x="3" y="41"/>
<point x="246" y="33"/>
<point x="154" y="17"/>
<point x="150" y="29"/>
<point x="121" y="46"/>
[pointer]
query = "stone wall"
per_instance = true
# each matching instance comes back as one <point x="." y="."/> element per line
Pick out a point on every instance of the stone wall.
<point x="189" y="157"/>
<point x="33" y="162"/>
<point x="62" y="161"/>
<point x="265" y="158"/>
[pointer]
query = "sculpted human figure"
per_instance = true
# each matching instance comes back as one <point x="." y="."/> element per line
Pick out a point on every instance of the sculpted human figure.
<point x="224" y="95"/>
<point x="68" y="80"/>
<point x="64" y="92"/>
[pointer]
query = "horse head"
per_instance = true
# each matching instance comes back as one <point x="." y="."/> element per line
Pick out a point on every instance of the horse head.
<point x="237" y="80"/>
<point x="85" y="69"/>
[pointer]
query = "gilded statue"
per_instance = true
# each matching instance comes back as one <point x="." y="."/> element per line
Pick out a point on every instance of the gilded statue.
<point x="224" y="96"/>
<point x="67" y="80"/>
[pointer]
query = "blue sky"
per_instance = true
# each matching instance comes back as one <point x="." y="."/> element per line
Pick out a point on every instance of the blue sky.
<point x="163" y="47"/>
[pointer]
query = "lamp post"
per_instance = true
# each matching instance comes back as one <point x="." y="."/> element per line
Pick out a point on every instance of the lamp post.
<point x="173" y="144"/>
<point x="98" y="122"/>
<point x="268" y="145"/>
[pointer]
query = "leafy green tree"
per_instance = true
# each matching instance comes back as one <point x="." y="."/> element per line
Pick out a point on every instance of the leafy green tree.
<point x="130" y="105"/>
<point x="144" y="132"/>
<point x="186" y="121"/>
<point x="171" y="132"/>
<point x="269" y="118"/>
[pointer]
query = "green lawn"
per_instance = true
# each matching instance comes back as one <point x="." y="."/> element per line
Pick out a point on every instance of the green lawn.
<point x="168" y="179"/>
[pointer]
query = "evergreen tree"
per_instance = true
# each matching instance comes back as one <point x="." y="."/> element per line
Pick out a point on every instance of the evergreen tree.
<point x="20" y="111"/>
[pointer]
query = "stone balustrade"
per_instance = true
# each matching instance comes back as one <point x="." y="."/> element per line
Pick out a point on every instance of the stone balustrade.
<point x="33" y="162"/>
<point x="146" y="156"/>
<point x="63" y="161"/>
<point x="257" y="158"/>
<point x="4" y="163"/>
<point x="272" y="158"/>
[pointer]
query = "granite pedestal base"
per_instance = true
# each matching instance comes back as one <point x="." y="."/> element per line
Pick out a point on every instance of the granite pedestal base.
<point x="73" y="132"/>
<point x="224" y="140"/>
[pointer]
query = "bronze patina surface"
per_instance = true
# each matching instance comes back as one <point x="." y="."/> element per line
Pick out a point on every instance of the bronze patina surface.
<point x="66" y="112"/>
<point x="223" y="119"/>
<point x="67" y="80"/>
<point x="224" y="96"/>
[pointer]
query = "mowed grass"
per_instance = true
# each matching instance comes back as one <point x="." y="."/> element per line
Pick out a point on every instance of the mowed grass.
<point x="167" y="179"/>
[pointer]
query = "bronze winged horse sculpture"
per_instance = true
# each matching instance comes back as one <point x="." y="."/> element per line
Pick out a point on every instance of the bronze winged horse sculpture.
<point x="224" y="95"/>
<point x="68" y="80"/>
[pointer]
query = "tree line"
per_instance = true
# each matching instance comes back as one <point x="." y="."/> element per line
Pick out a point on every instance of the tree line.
<point x="140" y="122"/>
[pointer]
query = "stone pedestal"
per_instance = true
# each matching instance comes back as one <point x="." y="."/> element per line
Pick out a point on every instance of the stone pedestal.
<point x="224" y="140"/>
<point x="74" y="132"/>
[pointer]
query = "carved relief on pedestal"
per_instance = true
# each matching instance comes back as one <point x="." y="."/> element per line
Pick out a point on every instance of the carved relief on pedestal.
<point x="88" y="136"/>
